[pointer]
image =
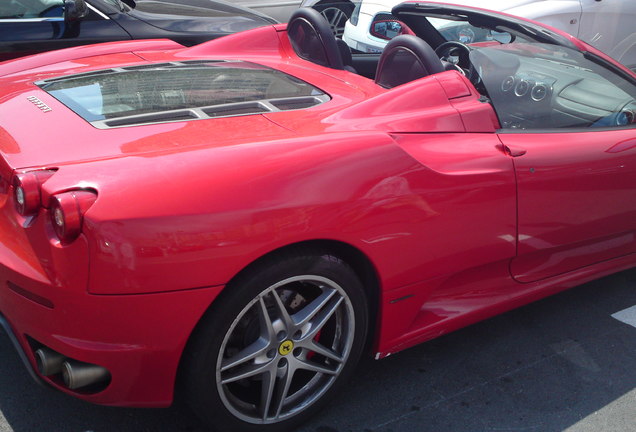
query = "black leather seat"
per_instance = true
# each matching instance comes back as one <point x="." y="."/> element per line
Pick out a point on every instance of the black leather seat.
<point x="312" y="38"/>
<point x="406" y="58"/>
<point x="345" y="55"/>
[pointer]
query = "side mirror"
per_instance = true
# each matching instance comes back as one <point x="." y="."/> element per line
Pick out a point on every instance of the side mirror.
<point x="388" y="29"/>
<point x="74" y="10"/>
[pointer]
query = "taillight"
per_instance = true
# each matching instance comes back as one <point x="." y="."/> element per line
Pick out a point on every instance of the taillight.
<point x="67" y="213"/>
<point x="26" y="191"/>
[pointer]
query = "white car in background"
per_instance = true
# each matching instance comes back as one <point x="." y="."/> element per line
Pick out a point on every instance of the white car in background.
<point x="609" y="25"/>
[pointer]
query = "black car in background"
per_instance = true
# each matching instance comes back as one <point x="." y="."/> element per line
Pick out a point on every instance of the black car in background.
<point x="32" y="26"/>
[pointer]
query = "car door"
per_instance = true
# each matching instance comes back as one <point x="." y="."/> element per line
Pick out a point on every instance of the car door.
<point x="569" y="124"/>
<point x="609" y="26"/>
<point x="576" y="200"/>
<point x="36" y="26"/>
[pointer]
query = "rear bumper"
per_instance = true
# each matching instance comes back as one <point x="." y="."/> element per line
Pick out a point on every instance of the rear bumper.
<point x="139" y="339"/>
<point x="44" y="301"/>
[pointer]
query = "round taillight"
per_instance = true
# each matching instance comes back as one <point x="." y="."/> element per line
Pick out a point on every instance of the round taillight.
<point x="26" y="193"/>
<point x="67" y="211"/>
<point x="27" y="190"/>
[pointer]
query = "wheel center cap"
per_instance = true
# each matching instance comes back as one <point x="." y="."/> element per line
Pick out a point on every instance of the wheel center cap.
<point x="285" y="347"/>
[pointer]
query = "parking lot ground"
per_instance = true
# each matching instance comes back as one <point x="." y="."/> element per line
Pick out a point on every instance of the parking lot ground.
<point x="561" y="364"/>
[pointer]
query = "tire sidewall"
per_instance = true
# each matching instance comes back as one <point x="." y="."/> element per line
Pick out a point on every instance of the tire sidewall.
<point x="202" y="352"/>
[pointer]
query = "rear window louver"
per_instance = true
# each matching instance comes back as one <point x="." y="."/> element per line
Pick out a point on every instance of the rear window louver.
<point x="235" y="109"/>
<point x="152" y="118"/>
<point x="224" y="110"/>
<point x="294" y="103"/>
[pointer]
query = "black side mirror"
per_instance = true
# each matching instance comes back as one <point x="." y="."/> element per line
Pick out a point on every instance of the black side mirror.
<point x="74" y="10"/>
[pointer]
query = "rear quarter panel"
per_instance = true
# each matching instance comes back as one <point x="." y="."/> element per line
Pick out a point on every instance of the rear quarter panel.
<point x="182" y="220"/>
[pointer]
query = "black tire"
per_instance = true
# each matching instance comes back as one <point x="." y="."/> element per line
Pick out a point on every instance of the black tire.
<point x="336" y="13"/>
<point x="277" y="344"/>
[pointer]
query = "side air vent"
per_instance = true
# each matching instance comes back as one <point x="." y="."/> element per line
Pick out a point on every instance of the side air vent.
<point x="539" y="92"/>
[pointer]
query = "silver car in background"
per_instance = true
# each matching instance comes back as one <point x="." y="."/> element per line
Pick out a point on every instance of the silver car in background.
<point x="279" y="10"/>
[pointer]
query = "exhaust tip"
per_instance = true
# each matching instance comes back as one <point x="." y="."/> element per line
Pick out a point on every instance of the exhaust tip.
<point x="76" y="375"/>
<point x="48" y="361"/>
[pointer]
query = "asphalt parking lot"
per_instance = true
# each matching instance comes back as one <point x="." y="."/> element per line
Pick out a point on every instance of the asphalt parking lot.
<point x="561" y="364"/>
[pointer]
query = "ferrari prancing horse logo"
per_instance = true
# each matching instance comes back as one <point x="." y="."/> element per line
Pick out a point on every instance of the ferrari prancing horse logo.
<point x="285" y="347"/>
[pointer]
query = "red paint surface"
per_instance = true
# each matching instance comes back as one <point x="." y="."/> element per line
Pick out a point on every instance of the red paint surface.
<point x="415" y="178"/>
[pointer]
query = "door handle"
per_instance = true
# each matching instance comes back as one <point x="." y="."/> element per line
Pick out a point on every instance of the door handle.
<point x="512" y="151"/>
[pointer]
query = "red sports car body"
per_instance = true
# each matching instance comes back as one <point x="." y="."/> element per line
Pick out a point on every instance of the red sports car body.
<point x="243" y="216"/>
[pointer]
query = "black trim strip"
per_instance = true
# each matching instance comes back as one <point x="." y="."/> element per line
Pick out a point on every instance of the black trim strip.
<point x="565" y="130"/>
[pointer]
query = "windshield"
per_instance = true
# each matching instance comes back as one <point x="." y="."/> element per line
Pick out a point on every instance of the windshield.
<point x="544" y="86"/>
<point x="117" y="3"/>
<point x="464" y="32"/>
<point x="32" y="9"/>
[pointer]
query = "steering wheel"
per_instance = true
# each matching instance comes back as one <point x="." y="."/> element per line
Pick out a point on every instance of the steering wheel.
<point x="458" y="54"/>
<point x="454" y="52"/>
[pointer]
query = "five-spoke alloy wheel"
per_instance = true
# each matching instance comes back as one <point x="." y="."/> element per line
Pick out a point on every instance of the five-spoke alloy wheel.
<point x="336" y="17"/>
<point x="337" y="13"/>
<point x="279" y="341"/>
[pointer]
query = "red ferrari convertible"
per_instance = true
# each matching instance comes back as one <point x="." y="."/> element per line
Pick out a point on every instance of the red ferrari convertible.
<point x="239" y="221"/>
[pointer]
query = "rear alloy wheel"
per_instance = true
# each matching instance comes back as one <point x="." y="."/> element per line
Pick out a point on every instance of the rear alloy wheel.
<point x="279" y="343"/>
